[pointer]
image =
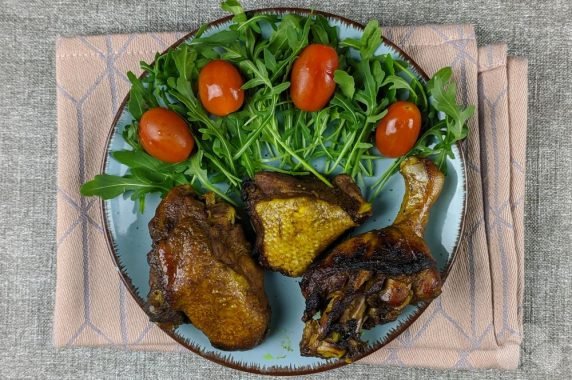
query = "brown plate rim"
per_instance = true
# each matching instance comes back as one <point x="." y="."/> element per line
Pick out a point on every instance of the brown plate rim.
<point x="278" y="371"/>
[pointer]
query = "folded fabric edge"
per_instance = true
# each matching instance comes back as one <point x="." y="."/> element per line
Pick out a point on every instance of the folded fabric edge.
<point x="159" y="347"/>
<point x="430" y="34"/>
<point x="505" y="258"/>
<point x="506" y="357"/>
<point x="62" y="39"/>
<point x="517" y="76"/>
<point x="492" y="57"/>
<point x="91" y="45"/>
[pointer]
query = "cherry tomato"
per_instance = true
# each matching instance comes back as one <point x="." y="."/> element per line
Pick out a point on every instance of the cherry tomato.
<point x="399" y="129"/>
<point x="219" y="88"/>
<point x="165" y="135"/>
<point x="312" y="79"/>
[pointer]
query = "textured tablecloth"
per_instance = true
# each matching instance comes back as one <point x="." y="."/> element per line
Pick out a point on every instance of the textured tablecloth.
<point x="536" y="30"/>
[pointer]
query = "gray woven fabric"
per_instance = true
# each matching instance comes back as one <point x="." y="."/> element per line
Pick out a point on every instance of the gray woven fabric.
<point x="540" y="31"/>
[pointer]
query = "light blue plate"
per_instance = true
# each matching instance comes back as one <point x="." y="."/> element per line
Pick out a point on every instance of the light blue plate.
<point x="129" y="239"/>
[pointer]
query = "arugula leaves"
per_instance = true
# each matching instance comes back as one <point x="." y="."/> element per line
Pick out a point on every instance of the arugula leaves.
<point x="443" y="99"/>
<point x="346" y="82"/>
<point x="269" y="133"/>
<point x="109" y="186"/>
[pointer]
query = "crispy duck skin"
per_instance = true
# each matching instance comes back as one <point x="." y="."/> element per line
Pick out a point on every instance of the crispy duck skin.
<point x="202" y="271"/>
<point x="370" y="278"/>
<point x="297" y="218"/>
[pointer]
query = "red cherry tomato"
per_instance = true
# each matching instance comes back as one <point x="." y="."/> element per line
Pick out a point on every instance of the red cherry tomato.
<point x="399" y="129"/>
<point x="219" y="88"/>
<point x="312" y="79"/>
<point x="165" y="135"/>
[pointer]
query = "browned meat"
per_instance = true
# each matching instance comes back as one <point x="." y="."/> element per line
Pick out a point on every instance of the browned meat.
<point x="202" y="271"/>
<point x="369" y="279"/>
<point x="297" y="218"/>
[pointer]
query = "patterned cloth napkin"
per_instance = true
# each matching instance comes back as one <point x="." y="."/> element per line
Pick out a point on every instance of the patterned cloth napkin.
<point x="475" y="323"/>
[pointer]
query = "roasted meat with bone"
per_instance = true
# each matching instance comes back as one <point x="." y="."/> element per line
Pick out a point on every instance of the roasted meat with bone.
<point x="370" y="278"/>
<point x="297" y="218"/>
<point x="202" y="271"/>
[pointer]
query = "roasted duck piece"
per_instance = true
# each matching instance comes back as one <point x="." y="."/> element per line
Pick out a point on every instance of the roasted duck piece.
<point x="297" y="218"/>
<point x="368" y="279"/>
<point x="202" y="271"/>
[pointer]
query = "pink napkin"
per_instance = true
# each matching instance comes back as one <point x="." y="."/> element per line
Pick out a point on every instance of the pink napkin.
<point x="475" y="323"/>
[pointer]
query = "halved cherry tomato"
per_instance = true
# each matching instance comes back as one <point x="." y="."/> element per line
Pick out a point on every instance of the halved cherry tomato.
<point x="165" y="135"/>
<point x="312" y="79"/>
<point x="219" y="88"/>
<point x="399" y="129"/>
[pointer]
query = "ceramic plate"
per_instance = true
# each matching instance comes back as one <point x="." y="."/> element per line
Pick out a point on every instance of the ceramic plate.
<point x="129" y="240"/>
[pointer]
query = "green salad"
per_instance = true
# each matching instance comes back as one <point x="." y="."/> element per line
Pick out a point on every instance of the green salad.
<point x="278" y="93"/>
